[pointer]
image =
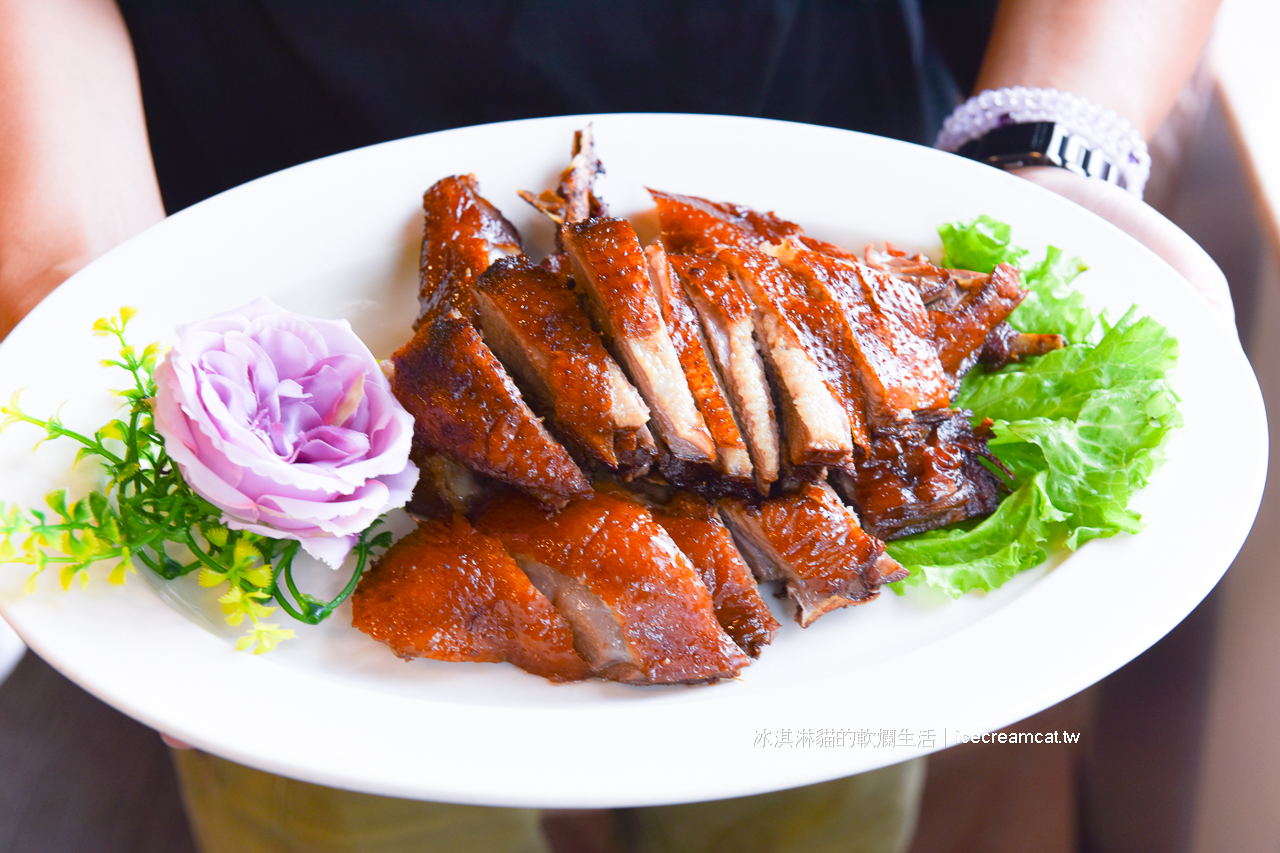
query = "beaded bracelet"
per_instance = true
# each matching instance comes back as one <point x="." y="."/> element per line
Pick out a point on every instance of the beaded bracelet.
<point x="1072" y="133"/>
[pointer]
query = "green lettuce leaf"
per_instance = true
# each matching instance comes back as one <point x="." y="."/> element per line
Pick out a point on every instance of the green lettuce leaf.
<point x="983" y="556"/>
<point x="1080" y="428"/>
<point x="978" y="245"/>
<point x="1052" y="306"/>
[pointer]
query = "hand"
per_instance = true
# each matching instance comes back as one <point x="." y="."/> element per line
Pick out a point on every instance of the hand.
<point x="1143" y="223"/>
<point x="76" y="176"/>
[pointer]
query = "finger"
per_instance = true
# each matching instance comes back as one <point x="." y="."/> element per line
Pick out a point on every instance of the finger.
<point x="1146" y="225"/>
<point x="174" y="743"/>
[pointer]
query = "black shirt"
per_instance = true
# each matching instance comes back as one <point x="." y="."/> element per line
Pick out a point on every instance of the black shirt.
<point x="235" y="89"/>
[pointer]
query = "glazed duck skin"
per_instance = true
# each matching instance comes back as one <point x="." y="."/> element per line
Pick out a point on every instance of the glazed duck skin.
<point x="463" y="234"/>
<point x="465" y="405"/>
<point x="934" y="283"/>
<point x="613" y="548"/>
<point x="609" y="266"/>
<point x="961" y="332"/>
<point x="923" y="476"/>
<point x="534" y="323"/>
<point x="696" y="226"/>
<point x="449" y="593"/>
<point x="695" y="527"/>
<point x="966" y="309"/>
<point x="872" y="332"/>
<point x="812" y="542"/>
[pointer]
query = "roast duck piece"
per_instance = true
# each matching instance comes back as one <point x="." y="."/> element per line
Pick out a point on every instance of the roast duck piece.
<point x="618" y="442"/>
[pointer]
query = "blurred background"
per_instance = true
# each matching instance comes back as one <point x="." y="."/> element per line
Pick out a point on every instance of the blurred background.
<point x="1180" y="749"/>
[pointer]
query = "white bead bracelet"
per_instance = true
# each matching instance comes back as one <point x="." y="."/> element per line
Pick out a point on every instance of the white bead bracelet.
<point x="1098" y="128"/>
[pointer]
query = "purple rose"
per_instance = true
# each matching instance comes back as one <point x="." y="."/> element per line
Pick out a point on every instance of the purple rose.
<point x="287" y="425"/>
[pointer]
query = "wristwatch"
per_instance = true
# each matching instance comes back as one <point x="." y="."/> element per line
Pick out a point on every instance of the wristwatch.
<point x="1040" y="143"/>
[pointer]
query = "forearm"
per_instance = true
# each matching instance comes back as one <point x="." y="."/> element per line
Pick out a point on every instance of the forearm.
<point x="1131" y="56"/>
<point x="75" y="168"/>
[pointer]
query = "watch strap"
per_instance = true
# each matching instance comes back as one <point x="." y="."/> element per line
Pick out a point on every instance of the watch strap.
<point x="1041" y="143"/>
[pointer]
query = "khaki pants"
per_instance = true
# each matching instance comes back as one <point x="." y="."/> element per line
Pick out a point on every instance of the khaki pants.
<point x="234" y="809"/>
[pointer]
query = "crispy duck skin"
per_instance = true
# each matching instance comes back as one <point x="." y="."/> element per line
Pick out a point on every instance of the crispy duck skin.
<point x="462" y="236"/>
<point x="895" y="298"/>
<point x="924" y="476"/>
<point x="825" y="248"/>
<point x="697" y="530"/>
<point x="609" y="267"/>
<point x="725" y="312"/>
<point x="880" y="365"/>
<point x="940" y="288"/>
<point x="465" y="405"/>
<point x="965" y="310"/>
<point x="449" y="593"/>
<point x="695" y="226"/>
<point x="705" y="383"/>
<point x="792" y="337"/>
<point x="961" y="331"/>
<point x="609" y="551"/>
<point x="812" y="542"/>
<point x="533" y="321"/>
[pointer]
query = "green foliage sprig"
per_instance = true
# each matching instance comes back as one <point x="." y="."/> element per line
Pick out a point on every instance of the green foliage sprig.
<point x="147" y="512"/>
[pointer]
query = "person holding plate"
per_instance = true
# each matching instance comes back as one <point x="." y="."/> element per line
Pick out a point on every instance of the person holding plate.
<point x="235" y="90"/>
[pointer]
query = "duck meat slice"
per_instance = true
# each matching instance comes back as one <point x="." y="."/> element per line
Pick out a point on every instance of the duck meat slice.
<point x="532" y="320"/>
<point x="924" y="475"/>
<point x="815" y="394"/>
<point x="597" y="632"/>
<point x="697" y="530"/>
<point x="725" y="312"/>
<point x="609" y="267"/>
<point x="449" y="593"/>
<point x="636" y="452"/>
<point x="733" y="460"/>
<point x="465" y="405"/>
<point x="961" y="331"/>
<point x="444" y="485"/>
<point x="462" y="235"/>
<point x="814" y="544"/>
<point x="695" y="226"/>
<point x="869" y="327"/>
<point x="964" y="307"/>
<point x="628" y="580"/>
<point x="938" y="287"/>
<point x="1006" y="345"/>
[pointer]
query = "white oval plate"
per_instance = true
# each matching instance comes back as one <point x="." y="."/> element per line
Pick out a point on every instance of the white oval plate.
<point x="339" y="238"/>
